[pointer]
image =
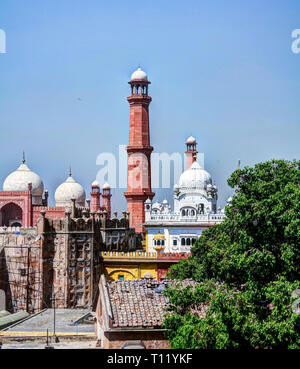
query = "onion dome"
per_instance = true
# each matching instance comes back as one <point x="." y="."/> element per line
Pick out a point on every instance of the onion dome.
<point x="95" y="184"/>
<point x="191" y="140"/>
<point x="19" y="180"/>
<point x="139" y="74"/>
<point x="69" y="190"/>
<point x="195" y="178"/>
<point x="106" y="186"/>
<point x="165" y="202"/>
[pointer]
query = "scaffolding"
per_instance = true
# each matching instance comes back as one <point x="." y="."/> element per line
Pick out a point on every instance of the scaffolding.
<point x="21" y="276"/>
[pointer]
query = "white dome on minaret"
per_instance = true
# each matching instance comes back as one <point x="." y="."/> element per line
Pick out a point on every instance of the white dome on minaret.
<point x="69" y="190"/>
<point x="106" y="186"/>
<point x="139" y="74"/>
<point x="19" y="180"/>
<point x="194" y="178"/>
<point x="191" y="140"/>
<point x="95" y="183"/>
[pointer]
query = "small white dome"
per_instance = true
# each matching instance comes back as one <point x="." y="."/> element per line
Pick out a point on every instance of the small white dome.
<point x="148" y="201"/>
<point x="165" y="202"/>
<point x="95" y="184"/>
<point x="19" y="179"/>
<point x="191" y="140"/>
<point x="195" y="178"/>
<point x="106" y="186"/>
<point x="156" y="205"/>
<point x="139" y="74"/>
<point x="68" y="190"/>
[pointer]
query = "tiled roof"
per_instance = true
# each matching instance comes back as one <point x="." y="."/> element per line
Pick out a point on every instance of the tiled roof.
<point x="139" y="303"/>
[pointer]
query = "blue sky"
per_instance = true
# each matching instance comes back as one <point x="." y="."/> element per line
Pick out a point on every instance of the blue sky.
<point x="222" y="71"/>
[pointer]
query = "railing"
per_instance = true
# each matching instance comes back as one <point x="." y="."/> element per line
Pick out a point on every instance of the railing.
<point x="9" y="229"/>
<point x="208" y="218"/>
<point x="132" y="254"/>
<point x="145" y="255"/>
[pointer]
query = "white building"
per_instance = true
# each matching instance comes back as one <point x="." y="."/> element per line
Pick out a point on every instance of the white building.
<point x="195" y="209"/>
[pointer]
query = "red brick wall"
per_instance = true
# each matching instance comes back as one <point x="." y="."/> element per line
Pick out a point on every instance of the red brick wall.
<point x="52" y="212"/>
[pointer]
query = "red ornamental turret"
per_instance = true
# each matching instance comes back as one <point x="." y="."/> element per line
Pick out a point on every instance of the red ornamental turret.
<point x="106" y="196"/>
<point x="191" y="151"/>
<point x="95" y="194"/>
<point x="138" y="150"/>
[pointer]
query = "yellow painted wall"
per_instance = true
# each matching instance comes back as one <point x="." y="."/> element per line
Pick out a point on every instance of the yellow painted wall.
<point x="130" y="272"/>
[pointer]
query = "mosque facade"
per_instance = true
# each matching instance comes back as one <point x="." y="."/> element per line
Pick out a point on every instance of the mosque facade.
<point x="23" y="198"/>
<point x="176" y="229"/>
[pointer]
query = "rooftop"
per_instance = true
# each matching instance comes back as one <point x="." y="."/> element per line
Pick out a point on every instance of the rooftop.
<point x="139" y="303"/>
<point x="37" y="324"/>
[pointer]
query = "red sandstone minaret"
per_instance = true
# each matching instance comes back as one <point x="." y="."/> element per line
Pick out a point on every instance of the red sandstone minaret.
<point x="191" y="151"/>
<point x="138" y="150"/>
<point x="106" y="195"/>
<point x="95" y="194"/>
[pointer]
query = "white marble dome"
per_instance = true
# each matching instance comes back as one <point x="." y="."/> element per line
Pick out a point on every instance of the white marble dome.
<point x="194" y="178"/>
<point x="69" y="190"/>
<point x="19" y="179"/>
<point x="139" y="74"/>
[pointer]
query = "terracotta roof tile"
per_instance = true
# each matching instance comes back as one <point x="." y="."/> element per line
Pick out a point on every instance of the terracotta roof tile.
<point x="139" y="303"/>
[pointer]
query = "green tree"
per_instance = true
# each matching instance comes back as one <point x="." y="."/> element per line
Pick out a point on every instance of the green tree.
<point x="247" y="268"/>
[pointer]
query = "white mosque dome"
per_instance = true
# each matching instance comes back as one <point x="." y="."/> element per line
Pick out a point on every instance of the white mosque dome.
<point x="68" y="190"/>
<point x="19" y="179"/>
<point x="139" y="74"/>
<point x="165" y="202"/>
<point x="195" y="178"/>
<point x="191" y="140"/>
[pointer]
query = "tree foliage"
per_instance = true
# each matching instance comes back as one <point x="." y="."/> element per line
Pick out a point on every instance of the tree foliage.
<point x="247" y="268"/>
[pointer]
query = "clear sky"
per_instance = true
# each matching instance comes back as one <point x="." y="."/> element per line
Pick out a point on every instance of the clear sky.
<point x="222" y="71"/>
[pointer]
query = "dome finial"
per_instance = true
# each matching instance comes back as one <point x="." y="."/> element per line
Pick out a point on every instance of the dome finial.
<point x="23" y="158"/>
<point x="70" y="171"/>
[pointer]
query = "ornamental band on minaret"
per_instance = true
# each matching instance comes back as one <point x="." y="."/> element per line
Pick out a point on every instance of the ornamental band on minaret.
<point x="138" y="150"/>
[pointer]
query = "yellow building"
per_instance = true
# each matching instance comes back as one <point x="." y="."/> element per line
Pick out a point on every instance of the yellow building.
<point x="118" y="265"/>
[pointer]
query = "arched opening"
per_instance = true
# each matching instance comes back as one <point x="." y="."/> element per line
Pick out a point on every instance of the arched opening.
<point x="183" y="242"/>
<point x="16" y="224"/>
<point x="11" y="214"/>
